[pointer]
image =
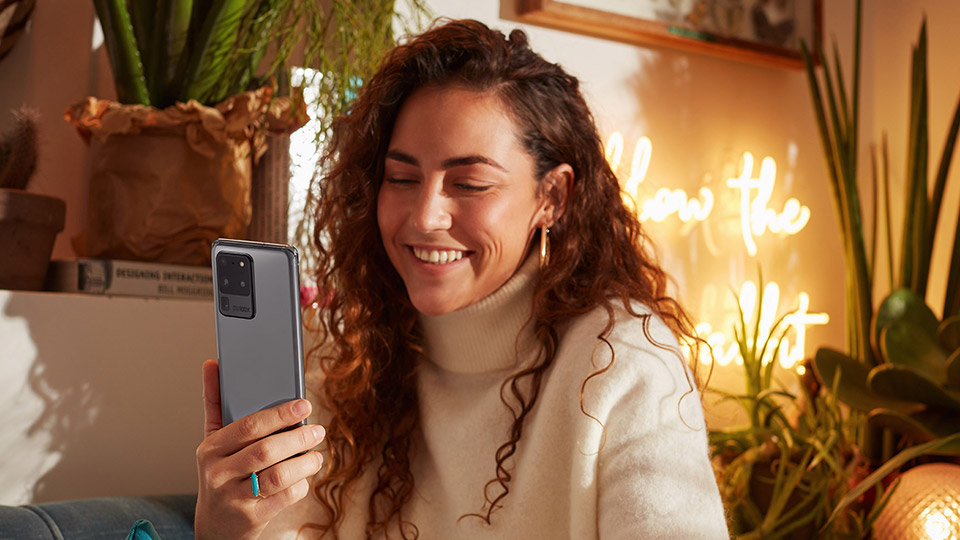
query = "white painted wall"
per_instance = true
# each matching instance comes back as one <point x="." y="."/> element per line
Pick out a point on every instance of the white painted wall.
<point x="101" y="433"/>
<point x="100" y="396"/>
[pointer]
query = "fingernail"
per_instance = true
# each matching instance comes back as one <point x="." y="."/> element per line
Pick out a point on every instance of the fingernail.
<point x="300" y="407"/>
<point x="319" y="432"/>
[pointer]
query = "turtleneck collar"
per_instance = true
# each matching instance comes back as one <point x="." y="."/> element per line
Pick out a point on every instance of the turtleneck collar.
<point x="489" y="335"/>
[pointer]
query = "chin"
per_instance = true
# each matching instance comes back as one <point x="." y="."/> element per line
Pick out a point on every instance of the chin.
<point x="434" y="307"/>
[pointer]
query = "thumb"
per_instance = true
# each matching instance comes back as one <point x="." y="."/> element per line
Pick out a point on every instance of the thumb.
<point x="212" y="419"/>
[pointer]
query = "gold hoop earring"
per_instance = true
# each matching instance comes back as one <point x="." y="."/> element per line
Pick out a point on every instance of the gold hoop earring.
<point x="544" y="246"/>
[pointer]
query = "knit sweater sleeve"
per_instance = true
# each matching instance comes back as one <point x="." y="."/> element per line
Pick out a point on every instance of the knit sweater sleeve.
<point x="654" y="477"/>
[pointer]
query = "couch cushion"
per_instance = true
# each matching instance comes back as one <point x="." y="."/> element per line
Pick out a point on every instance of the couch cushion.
<point x="100" y="518"/>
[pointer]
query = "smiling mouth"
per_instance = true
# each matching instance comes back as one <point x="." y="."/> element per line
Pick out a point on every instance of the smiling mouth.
<point x="434" y="256"/>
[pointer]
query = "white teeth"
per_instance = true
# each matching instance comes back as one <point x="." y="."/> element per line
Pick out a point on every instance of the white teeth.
<point x="437" y="257"/>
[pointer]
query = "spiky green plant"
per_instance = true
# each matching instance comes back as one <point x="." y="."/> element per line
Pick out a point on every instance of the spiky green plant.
<point x="782" y="474"/>
<point x="891" y="352"/>
<point x="164" y="51"/>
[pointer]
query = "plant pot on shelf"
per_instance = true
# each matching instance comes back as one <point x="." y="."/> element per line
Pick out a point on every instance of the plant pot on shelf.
<point x="29" y="224"/>
<point x="166" y="183"/>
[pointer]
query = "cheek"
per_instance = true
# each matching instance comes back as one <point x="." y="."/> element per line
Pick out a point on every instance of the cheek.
<point x="504" y="227"/>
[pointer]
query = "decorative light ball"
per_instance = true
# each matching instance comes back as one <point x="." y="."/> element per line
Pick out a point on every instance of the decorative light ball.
<point x="925" y="506"/>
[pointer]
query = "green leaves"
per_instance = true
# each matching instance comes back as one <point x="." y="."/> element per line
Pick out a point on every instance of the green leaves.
<point x="212" y="50"/>
<point x="118" y="34"/>
<point x="168" y="39"/>
<point x="907" y="345"/>
<point x="839" y="137"/>
<point x="147" y="41"/>
<point x="904" y="305"/>
<point x="907" y="384"/>
<point x="853" y="388"/>
<point x="916" y="390"/>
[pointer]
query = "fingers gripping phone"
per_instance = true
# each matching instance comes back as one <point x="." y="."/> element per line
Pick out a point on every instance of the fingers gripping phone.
<point x="259" y="334"/>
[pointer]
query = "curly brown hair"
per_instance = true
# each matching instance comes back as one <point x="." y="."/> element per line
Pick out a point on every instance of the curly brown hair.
<point x="598" y="258"/>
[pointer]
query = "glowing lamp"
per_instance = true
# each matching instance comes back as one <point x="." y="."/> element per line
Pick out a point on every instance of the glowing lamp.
<point x="926" y="505"/>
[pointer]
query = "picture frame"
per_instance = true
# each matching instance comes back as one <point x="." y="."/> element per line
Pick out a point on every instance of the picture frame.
<point x="765" y="32"/>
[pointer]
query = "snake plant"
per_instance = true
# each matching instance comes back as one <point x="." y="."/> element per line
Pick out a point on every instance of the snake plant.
<point x="164" y="51"/>
<point x="900" y="368"/>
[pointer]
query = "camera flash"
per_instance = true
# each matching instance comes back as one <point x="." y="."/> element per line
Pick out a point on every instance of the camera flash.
<point x="241" y="263"/>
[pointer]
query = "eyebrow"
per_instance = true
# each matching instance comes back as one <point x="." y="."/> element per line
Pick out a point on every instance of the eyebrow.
<point x="450" y="163"/>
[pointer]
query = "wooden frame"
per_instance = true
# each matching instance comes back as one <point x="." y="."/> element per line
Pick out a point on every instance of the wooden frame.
<point x="690" y="25"/>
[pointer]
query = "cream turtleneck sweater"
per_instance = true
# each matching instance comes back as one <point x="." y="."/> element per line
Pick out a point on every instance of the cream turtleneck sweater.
<point x="631" y="463"/>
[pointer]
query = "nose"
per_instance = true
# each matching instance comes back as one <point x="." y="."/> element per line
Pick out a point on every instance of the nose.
<point x="431" y="211"/>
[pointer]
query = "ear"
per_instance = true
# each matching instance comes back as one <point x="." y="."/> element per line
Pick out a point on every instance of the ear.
<point x="553" y="191"/>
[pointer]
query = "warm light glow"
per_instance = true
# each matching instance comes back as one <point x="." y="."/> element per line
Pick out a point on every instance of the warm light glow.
<point x="801" y="370"/>
<point x="755" y="217"/>
<point x="716" y="341"/>
<point x="924" y="505"/>
<point x="667" y="202"/>
<point x="638" y="166"/>
<point x="788" y="355"/>
<point x="936" y="525"/>
<point x="800" y="320"/>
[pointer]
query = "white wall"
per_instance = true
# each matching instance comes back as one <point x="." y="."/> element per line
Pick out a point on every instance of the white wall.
<point x="100" y="396"/>
<point x="701" y="114"/>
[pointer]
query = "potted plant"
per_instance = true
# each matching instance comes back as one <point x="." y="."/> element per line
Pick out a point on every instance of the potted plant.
<point x="29" y="222"/>
<point x="900" y="374"/>
<point x="206" y="74"/>
<point x="783" y="472"/>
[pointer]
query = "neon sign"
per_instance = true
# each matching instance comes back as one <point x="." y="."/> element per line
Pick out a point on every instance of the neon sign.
<point x="756" y="218"/>
<point x="789" y="354"/>
<point x="665" y="202"/>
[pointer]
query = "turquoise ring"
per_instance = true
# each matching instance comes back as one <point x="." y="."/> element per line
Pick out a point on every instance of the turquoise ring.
<point x="255" y="484"/>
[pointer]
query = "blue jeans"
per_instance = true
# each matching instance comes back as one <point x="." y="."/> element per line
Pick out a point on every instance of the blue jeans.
<point x="96" y="518"/>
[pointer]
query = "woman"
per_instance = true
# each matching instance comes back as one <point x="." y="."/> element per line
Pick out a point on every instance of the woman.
<point x="500" y="357"/>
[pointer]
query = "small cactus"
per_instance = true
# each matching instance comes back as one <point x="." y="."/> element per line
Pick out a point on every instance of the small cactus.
<point x="18" y="150"/>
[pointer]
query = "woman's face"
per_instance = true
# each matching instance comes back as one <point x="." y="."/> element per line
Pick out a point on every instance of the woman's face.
<point x="458" y="203"/>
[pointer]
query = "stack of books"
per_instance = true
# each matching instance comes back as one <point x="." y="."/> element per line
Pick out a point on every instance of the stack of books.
<point x="130" y="278"/>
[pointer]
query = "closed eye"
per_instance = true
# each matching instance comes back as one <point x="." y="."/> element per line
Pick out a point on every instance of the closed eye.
<point x="400" y="181"/>
<point x="472" y="187"/>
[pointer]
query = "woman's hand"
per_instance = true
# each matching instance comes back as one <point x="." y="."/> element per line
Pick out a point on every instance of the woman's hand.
<point x="226" y="505"/>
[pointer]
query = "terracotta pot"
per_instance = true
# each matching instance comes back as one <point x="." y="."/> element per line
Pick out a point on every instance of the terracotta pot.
<point x="29" y="224"/>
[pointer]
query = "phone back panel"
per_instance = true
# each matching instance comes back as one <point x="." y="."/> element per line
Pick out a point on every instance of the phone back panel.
<point x="261" y="358"/>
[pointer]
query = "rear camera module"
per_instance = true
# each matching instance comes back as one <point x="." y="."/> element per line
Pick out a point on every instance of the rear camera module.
<point x="234" y="272"/>
<point x="235" y="285"/>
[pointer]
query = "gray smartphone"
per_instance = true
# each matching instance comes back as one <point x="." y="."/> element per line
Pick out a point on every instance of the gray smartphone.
<point x="259" y="335"/>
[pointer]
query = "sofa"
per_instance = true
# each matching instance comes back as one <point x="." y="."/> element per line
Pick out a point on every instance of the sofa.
<point x="99" y="518"/>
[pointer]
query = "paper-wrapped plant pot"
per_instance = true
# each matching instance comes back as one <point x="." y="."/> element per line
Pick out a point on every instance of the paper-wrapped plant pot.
<point x="166" y="183"/>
